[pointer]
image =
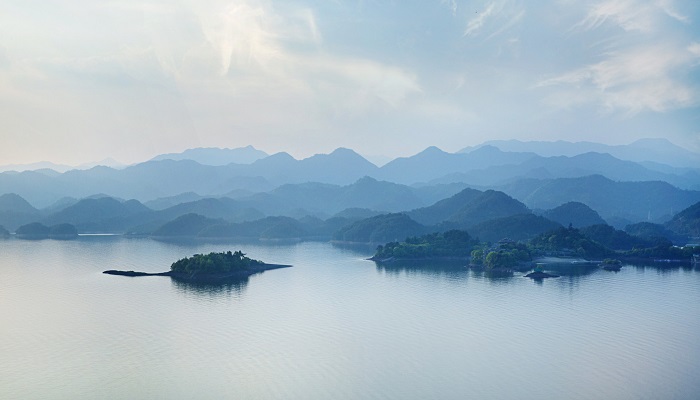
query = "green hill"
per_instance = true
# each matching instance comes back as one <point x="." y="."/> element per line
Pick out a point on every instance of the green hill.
<point x="446" y="208"/>
<point x="488" y="205"/>
<point x="380" y="229"/>
<point x="686" y="222"/>
<point x="515" y="227"/>
<point x="265" y="228"/>
<point x="655" y="232"/>
<point x="613" y="238"/>
<point x="217" y="208"/>
<point x="569" y="242"/>
<point x="356" y="213"/>
<point x="575" y="213"/>
<point x="104" y="214"/>
<point x="188" y="225"/>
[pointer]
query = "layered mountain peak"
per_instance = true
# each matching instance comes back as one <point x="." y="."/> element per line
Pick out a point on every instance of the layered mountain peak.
<point x="15" y="203"/>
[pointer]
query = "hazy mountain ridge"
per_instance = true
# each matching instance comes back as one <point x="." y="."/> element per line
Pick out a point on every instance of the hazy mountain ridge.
<point x="585" y="164"/>
<point x="308" y="197"/>
<point x="433" y="163"/>
<point x="486" y="166"/>
<point x="656" y="150"/>
<point x="652" y="201"/>
<point x="216" y="156"/>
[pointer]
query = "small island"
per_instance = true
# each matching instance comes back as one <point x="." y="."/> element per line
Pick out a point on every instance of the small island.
<point x="209" y="268"/>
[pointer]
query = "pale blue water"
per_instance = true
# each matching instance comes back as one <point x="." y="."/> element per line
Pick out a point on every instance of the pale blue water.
<point x="335" y="327"/>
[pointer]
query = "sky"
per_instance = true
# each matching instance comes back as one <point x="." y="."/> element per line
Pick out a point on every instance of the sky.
<point x="84" y="80"/>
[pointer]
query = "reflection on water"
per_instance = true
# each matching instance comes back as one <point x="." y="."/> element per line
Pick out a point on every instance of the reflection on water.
<point x="235" y="287"/>
<point x="450" y="268"/>
<point x="191" y="241"/>
<point x="363" y="248"/>
<point x="571" y="269"/>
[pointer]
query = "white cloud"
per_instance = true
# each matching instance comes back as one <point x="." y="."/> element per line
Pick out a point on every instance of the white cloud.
<point x="634" y="80"/>
<point x="644" y="67"/>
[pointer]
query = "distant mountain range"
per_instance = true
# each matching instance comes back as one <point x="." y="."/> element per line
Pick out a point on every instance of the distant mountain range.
<point x="516" y="189"/>
<point x="658" y="150"/>
<point x="208" y="173"/>
<point x="619" y="203"/>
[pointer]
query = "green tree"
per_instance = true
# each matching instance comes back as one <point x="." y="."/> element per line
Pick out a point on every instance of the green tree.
<point x="477" y="257"/>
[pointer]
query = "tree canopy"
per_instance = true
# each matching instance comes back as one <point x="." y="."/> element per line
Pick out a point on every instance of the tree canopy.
<point x="454" y="243"/>
<point x="213" y="263"/>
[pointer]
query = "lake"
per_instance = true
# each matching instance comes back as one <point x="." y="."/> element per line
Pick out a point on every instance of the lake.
<point x="335" y="326"/>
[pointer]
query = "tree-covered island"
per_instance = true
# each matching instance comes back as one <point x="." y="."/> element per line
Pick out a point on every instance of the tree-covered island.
<point x="452" y="244"/>
<point x="212" y="267"/>
<point x="508" y="255"/>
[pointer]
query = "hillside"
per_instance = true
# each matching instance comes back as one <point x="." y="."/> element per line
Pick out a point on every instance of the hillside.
<point x="444" y="209"/>
<point x="11" y="202"/>
<point x="574" y="213"/>
<point x="488" y="205"/>
<point x="514" y="227"/>
<point x="686" y="222"/>
<point x="614" y="239"/>
<point x="380" y="229"/>
<point x="100" y="215"/>
<point x="221" y="208"/>
<point x="655" y="232"/>
<point x="188" y="225"/>
<point x="16" y="211"/>
<point x="433" y="163"/>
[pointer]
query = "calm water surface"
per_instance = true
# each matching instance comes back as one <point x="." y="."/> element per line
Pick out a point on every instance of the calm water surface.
<point x="335" y="327"/>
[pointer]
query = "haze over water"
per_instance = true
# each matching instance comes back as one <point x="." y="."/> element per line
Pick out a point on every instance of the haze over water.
<point x="335" y="326"/>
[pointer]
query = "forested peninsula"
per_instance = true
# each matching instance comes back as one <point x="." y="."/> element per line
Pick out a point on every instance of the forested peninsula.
<point x="507" y="254"/>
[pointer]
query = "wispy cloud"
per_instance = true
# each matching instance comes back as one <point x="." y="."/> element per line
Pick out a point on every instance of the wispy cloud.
<point x="451" y="4"/>
<point x="644" y="78"/>
<point x="496" y="17"/>
<point x="476" y="23"/>
<point x="669" y="8"/>
<point x="630" y="15"/>
<point x="645" y="68"/>
<point x="511" y="23"/>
